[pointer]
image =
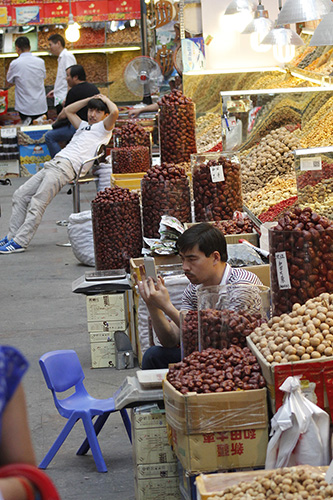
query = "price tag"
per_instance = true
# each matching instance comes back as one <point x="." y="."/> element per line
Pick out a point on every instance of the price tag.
<point x="311" y="163"/>
<point x="216" y="173"/>
<point x="282" y="270"/>
<point x="8" y="133"/>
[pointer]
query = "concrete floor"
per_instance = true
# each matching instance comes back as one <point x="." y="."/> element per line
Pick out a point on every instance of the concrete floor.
<point x="39" y="313"/>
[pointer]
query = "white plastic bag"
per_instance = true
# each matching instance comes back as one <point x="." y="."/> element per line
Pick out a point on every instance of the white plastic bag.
<point x="300" y="431"/>
<point x="80" y="235"/>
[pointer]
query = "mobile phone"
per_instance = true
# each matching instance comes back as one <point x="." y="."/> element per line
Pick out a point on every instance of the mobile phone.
<point x="149" y="263"/>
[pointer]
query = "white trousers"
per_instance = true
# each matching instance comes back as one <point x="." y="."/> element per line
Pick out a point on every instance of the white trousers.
<point x="31" y="199"/>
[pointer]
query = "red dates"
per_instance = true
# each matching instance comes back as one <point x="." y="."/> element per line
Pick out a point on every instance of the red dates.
<point x="214" y="370"/>
<point x="303" y="241"/>
<point x="130" y="159"/>
<point x="165" y="191"/>
<point x="216" y="200"/>
<point x="220" y="328"/>
<point x="116" y="228"/>
<point x="131" y="134"/>
<point x="176" y="128"/>
<point x="235" y="226"/>
<point x="189" y="332"/>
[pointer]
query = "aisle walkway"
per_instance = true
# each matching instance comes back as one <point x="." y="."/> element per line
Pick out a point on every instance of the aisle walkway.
<point x="39" y="313"/>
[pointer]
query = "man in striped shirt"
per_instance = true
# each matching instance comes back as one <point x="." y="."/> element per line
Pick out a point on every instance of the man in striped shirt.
<point x="203" y="251"/>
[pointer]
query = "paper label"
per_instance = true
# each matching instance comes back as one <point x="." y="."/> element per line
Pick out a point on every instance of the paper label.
<point x="329" y="474"/>
<point x="8" y="133"/>
<point x="311" y="163"/>
<point x="282" y="271"/>
<point x="216" y="173"/>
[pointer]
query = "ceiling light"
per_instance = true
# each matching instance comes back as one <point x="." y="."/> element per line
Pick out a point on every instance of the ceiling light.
<point x="237" y="6"/>
<point x="284" y="42"/>
<point x="323" y="34"/>
<point x="298" y="11"/>
<point x="259" y="28"/>
<point x="72" y="33"/>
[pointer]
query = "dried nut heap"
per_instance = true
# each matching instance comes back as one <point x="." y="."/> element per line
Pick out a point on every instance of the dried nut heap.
<point x="238" y="226"/>
<point x="307" y="240"/>
<point x="116" y="228"/>
<point x="217" y="200"/>
<point x="189" y="332"/>
<point x="131" y="134"/>
<point x="215" y="370"/>
<point x="165" y="191"/>
<point x="305" y="333"/>
<point x="279" y="189"/>
<point x="130" y="159"/>
<point x="287" y="483"/>
<point x="177" y="128"/>
<point x="273" y="157"/>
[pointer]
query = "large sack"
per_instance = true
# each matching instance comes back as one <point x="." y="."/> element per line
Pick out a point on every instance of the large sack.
<point x="80" y="235"/>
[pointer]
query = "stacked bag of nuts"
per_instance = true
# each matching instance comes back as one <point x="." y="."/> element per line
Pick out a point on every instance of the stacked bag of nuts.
<point x="176" y="128"/>
<point x="305" y="333"/>
<point x="301" y="258"/>
<point x="165" y="190"/>
<point x="130" y="159"/>
<point x="214" y="370"/>
<point x="217" y="189"/>
<point x="116" y="224"/>
<point x="287" y="483"/>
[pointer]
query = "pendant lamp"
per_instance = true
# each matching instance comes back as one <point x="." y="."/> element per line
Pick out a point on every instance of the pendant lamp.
<point x="298" y="11"/>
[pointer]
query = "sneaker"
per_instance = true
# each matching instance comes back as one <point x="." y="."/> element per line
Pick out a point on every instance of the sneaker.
<point x="11" y="247"/>
<point x="4" y="241"/>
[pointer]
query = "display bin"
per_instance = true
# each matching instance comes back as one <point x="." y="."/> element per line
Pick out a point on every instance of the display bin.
<point x="316" y="379"/>
<point x="218" y="430"/>
<point x="130" y="159"/>
<point x="232" y="239"/>
<point x="249" y="115"/>
<point x="314" y="177"/>
<point x="129" y="181"/>
<point x="217" y="189"/>
<point x="298" y="266"/>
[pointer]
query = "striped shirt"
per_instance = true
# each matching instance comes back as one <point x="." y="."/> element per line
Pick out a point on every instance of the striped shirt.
<point x="231" y="276"/>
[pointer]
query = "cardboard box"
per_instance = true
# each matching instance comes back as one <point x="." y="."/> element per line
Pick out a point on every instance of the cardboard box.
<point x="222" y="450"/>
<point x="108" y="307"/>
<point x="129" y="181"/>
<point x="161" y="488"/>
<point x="194" y="413"/>
<point x="316" y="379"/>
<point x="263" y="273"/>
<point x="103" y="350"/>
<point x="218" y="430"/>
<point x="9" y="168"/>
<point x="106" y="326"/>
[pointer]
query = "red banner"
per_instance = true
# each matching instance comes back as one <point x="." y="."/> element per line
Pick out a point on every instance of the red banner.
<point x="123" y="9"/>
<point x="90" y="11"/>
<point x="56" y="13"/>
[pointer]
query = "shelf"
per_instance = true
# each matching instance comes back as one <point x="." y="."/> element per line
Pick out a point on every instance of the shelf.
<point x="102" y="50"/>
<point x="310" y="76"/>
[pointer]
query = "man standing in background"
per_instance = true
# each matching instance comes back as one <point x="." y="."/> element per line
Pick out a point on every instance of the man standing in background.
<point x="27" y="73"/>
<point x="65" y="59"/>
<point x="63" y="130"/>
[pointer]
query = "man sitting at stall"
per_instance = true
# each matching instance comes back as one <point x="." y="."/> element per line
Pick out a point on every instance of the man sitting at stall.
<point x="203" y="251"/>
<point x="32" y="198"/>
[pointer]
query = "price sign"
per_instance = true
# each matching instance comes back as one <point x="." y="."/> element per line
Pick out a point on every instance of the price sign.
<point x="8" y="133"/>
<point x="311" y="163"/>
<point x="282" y="271"/>
<point x="216" y="173"/>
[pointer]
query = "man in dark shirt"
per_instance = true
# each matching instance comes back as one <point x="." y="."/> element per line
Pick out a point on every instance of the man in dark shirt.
<point x="63" y="130"/>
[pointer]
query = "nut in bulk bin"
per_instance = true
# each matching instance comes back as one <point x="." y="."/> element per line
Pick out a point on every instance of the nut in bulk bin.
<point x="301" y="258"/>
<point x="176" y="128"/>
<point x="165" y="191"/>
<point x="217" y="189"/>
<point x="116" y="228"/>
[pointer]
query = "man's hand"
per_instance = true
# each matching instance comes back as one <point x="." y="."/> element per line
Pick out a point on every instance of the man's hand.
<point x="50" y="94"/>
<point x="154" y="294"/>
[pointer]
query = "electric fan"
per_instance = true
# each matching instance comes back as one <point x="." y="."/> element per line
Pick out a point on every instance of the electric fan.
<point x="143" y="77"/>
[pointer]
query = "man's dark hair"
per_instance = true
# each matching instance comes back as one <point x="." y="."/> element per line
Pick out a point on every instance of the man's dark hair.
<point x="98" y="104"/>
<point x="77" y="70"/>
<point x="208" y="238"/>
<point x="22" y="43"/>
<point x="57" y="38"/>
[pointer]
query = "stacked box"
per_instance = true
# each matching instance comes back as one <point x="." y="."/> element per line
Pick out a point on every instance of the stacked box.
<point x="217" y="431"/>
<point x="155" y="464"/>
<point x="105" y="314"/>
<point x="33" y="150"/>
